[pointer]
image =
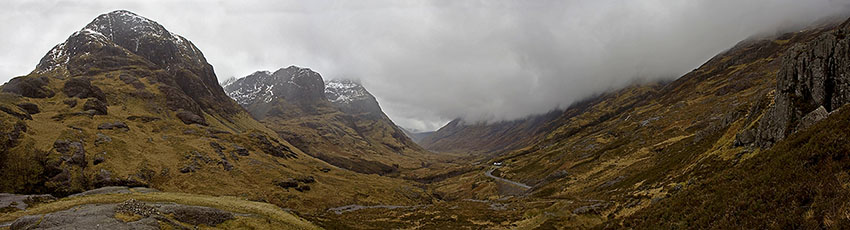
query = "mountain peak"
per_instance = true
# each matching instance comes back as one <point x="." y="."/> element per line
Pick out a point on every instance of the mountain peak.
<point x="122" y="32"/>
<point x="123" y="24"/>
<point x="292" y="83"/>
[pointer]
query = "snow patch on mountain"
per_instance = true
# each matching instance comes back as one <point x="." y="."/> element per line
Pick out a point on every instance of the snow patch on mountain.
<point x="265" y="86"/>
<point x="344" y="91"/>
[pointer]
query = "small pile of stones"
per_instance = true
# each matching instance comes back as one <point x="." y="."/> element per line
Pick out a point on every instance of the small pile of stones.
<point x="133" y="206"/>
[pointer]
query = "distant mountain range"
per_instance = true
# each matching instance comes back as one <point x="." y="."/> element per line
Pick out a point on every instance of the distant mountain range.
<point x="337" y="121"/>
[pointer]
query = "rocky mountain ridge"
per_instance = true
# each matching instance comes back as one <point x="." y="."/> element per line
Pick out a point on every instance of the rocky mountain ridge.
<point x="124" y="102"/>
<point x="337" y="121"/>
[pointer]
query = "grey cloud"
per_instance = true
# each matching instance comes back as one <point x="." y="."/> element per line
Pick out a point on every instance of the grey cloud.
<point x="431" y="61"/>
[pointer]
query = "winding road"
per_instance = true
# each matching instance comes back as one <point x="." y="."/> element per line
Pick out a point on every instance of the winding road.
<point x="489" y="173"/>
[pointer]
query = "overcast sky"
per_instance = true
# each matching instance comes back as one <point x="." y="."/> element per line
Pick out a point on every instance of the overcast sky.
<point x="428" y="62"/>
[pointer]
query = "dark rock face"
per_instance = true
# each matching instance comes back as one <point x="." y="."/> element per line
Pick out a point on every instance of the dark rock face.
<point x="82" y="88"/>
<point x="29" y="107"/>
<point x="812" y="75"/>
<point x="32" y="87"/>
<point x="72" y="152"/>
<point x="190" y="118"/>
<point x="96" y="106"/>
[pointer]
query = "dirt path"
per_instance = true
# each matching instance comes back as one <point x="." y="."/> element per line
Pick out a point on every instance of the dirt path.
<point x="489" y="173"/>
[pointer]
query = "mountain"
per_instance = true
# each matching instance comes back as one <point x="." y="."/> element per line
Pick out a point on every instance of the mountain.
<point x="611" y="156"/>
<point x="337" y="121"/>
<point x="800" y="178"/>
<point x="490" y="139"/>
<point x="125" y="102"/>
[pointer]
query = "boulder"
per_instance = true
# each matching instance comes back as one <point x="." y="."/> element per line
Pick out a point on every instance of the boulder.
<point x="72" y="152"/>
<point x="29" y="107"/>
<point x="306" y="179"/>
<point x="99" y="158"/>
<point x="745" y="137"/>
<point x="81" y="87"/>
<point x="143" y="118"/>
<point x="302" y="188"/>
<point x="288" y="183"/>
<point x="101" y="139"/>
<point x="71" y="102"/>
<point x="113" y="125"/>
<point x="812" y="118"/>
<point x="190" y="118"/>
<point x="96" y="106"/>
<point x="32" y="87"/>
<point x="131" y="80"/>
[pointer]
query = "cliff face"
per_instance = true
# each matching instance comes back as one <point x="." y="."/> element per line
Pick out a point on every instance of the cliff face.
<point x="799" y="180"/>
<point x="813" y="75"/>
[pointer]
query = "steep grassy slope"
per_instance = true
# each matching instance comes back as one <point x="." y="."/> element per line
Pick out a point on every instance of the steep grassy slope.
<point x="626" y="150"/>
<point x="801" y="183"/>
<point x="100" y="110"/>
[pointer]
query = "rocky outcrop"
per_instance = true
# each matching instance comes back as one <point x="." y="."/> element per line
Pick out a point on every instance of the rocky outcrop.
<point x="29" y="107"/>
<point x="812" y="76"/>
<point x="812" y="118"/>
<point x="33" y="87"/>
<point x="136" y="215"/>
<point x="82" y="88"/>
<point x="190" y="118"/>
<point x="113" y="125"/>
<point x="95" y="106"/>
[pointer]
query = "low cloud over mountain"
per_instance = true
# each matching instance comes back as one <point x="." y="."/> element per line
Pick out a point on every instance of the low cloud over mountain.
<point x="431" y="61"/>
